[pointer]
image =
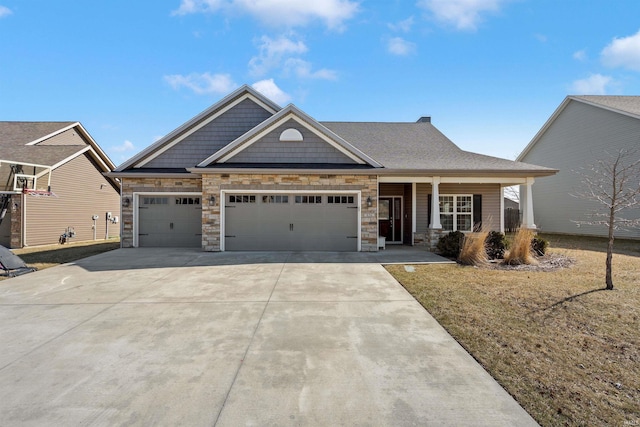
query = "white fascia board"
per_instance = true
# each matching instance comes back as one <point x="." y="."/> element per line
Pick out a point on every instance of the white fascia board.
<point x="99" y="153"/>
<point x="73" y="156"/>
<point x="453" y="180"/>
<point x="52" y="134"/>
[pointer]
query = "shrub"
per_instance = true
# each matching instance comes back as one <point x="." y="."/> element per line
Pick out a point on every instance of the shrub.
<point x="539" y="246"/>
<point x="496" y="244"/>
<point x="450" y="244"/>
<point x="473" y="251"/>
<point x="520" y="251"/>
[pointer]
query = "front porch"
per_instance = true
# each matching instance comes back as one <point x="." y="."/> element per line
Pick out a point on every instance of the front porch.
<point x="406" y="215"/>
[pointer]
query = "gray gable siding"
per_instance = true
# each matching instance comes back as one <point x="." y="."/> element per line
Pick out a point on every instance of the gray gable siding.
<point x="212" y="137"/>
<point x="270" y="149"/>
<point x="579" y="136"/>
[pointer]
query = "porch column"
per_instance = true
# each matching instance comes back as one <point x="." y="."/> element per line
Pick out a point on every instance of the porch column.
<point x="501" y="209"/>
<point x="527" y="205"/>
<point x="435" y="204"/>
<point x="414" y="210"/>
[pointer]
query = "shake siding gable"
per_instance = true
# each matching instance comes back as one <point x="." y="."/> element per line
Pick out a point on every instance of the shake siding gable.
<point x="579" y="136"/>
<point x="82" y="191"/>
<point x="269" y="149"/>
<point x="212" y="137"/>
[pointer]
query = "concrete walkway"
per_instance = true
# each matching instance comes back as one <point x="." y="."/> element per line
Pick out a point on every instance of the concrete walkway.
<point x="182" y="337"/>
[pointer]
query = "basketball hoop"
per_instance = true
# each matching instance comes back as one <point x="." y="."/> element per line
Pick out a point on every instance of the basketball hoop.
<point x="38" y="193"/>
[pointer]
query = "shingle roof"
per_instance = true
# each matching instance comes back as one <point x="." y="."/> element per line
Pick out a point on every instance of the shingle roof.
<point x="627" y="104"/>
<point x="420" y="146"/>
<point x="14" y="137"/>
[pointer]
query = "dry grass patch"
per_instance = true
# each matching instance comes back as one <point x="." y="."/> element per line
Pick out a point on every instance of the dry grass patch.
<point x="566" y="350"/>
<point x="42" y="257"/>
<point x="474" y="250"/>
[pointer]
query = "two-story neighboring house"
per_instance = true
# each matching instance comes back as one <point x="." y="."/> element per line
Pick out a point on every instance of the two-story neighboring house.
<point x="582" y="130"/>
<point x="51" y="181"/>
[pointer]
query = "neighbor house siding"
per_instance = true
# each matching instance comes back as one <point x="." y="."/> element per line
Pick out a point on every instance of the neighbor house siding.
<point x="68" y="137"/>
<point x="212" y="137"/>
<point x="578" y="137"/>
<point x="80" y="192"/>
<point x="269" y="149"/>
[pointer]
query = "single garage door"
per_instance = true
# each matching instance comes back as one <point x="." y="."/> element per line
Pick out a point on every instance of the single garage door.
<point x="170" y="221"/>
<point x="291" y="222"/>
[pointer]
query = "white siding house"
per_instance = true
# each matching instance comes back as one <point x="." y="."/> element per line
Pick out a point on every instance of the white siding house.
<point x="583" y="130"/>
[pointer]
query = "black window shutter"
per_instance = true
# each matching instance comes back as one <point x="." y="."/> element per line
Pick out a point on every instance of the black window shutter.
<point x="477" y="212"/>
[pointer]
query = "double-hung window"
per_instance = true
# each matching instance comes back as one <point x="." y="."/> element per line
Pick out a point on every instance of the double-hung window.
<point x="456" y="212"/>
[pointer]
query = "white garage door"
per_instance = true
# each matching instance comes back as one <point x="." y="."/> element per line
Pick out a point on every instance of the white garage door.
<point x="169" y="221"/>
<point x="291" y="222"/>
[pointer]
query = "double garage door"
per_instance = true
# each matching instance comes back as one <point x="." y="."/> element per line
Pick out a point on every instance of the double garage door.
<point x="291" y="222"/>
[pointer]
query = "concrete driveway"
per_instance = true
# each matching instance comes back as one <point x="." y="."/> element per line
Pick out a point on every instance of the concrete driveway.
<point x="182" y="337"/>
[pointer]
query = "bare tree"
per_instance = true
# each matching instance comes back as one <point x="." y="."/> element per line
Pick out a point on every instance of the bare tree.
<point x="614" y="183"/>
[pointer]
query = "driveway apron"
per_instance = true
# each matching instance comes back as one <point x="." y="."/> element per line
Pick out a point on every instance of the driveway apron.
<point x="182" y="337"/>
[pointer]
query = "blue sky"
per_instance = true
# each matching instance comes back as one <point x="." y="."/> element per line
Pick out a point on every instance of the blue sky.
<point x="489" y="72"/>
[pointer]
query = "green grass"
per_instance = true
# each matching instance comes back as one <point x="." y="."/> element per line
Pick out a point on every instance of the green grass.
<point x="568" y="351"/>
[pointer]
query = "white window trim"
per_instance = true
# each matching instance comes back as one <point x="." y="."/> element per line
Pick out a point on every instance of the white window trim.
<point x="455" y="212"/>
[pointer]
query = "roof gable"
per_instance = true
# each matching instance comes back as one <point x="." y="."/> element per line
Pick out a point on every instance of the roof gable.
<point x="187" y="133"/>
<point x="332" y="146"/>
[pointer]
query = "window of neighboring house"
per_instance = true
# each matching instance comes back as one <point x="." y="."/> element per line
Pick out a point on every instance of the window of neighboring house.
<point x="456" y="212"/>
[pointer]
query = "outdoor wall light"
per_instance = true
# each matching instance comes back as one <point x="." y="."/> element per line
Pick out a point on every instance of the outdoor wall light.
<point x="369" y="202"/>
<point x="126" y="202"/>
<point x="212" y="200"/>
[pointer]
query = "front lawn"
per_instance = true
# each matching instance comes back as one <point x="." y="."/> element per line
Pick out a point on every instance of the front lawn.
<point x="567" y="350"/>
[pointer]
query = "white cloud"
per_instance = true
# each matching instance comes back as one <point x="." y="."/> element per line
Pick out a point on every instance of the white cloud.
<point x="269" y="89"/>
<point x="4" y="11"/>
<point x="126" y="146"/>
<point x="463" y="14"/>
<point x="272" y="52"/>
<point x="623" y="52"/>
<point x="402" y="26"/>
<point x="595" y="84"/>
<point x="201" y="84"/>
<point x="401" y="47"/>
<point x="198" y="6"/>
<point x="303" y="69"/>
<point x="288" y="13"/>
<point x="580" y="55"/>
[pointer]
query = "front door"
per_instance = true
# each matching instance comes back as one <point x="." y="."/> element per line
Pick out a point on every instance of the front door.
<point x="390" y="219"/>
